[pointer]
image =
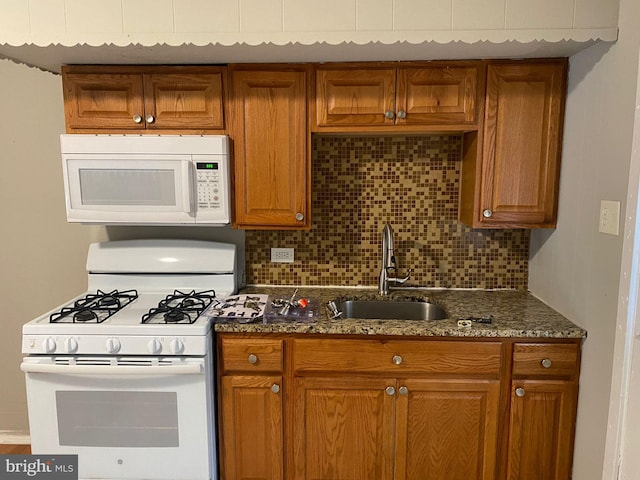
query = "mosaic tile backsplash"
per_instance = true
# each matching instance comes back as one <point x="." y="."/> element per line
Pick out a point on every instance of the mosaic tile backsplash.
<point x="411" y="182"/>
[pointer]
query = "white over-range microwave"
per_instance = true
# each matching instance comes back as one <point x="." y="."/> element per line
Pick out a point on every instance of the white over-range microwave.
<point x="147" y="179"/>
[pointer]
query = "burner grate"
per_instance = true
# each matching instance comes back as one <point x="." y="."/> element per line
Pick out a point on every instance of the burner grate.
<point x="180" y="307"/>
<point x="94" y="307"/>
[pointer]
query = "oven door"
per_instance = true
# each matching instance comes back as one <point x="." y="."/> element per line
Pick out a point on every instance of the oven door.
<point x="139" y="418"/>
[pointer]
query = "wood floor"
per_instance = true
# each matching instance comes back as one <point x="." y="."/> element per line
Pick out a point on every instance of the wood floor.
<point x="15" y="449"/>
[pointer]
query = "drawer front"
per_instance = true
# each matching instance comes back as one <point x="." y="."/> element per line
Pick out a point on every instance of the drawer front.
<point x="395" y="357"/>
<point x="534" y="359"/>
<point x="251" y="355"/>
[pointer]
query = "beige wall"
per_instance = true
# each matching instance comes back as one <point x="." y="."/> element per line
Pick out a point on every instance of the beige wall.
<point x="41" y="256"/>
<point x="575" y="269"/>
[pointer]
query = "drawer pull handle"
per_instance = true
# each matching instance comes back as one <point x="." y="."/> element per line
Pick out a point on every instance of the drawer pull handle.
<point x="253" y="359"/>
<point x="402" y="114"/>
<point x="150" y="119"/>
<point x="389" y="115"/>
<point x="137" y="118"/>
<point x="397" y="359"/>
<point x="390" y="391"/>
<point x="546" y="363"/>
<point x="275" y="388"/>
<point x="520" y="392"/>
<point x="403" y="391"/>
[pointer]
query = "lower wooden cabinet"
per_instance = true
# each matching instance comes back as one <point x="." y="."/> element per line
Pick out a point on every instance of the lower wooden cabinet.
<point x="543" y="400"/>
<point x="446" y="429"/>
<point x="541" y="430"/>
<point x="252" y="430"/>
<point x="302" y="407"/>
<point x="344" y="428"/>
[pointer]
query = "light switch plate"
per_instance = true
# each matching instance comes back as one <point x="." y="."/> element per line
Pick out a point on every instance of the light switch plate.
<point x="609" y="217"/>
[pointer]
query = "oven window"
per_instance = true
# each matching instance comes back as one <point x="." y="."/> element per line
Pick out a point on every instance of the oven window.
<point x="130" y="187"/>
<point x="117" y="419"/>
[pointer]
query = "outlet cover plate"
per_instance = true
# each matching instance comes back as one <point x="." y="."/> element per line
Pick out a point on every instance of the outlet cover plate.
<point x="282" y="255"/>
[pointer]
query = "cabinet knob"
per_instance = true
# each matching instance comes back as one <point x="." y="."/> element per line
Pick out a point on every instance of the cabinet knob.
<point x="389" y="114"/>
<point x="486" y="213"/>
<point x="275" y="388"/>
<point x="253" y="359"/>
<point x="397" y="359"/>
<point x="150" y="119"/>
<point x="390" y="390"/>
<point x="520" y="392"/>
<point x="299" y="216"/>
<point x="546" y="363"/>
<point x="137" y="118"/>
<point x="403" y="391"/>
<point x="402" y="114"/>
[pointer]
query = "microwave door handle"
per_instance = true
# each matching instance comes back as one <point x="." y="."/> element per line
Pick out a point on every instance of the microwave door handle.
<point x="189" y="173"/>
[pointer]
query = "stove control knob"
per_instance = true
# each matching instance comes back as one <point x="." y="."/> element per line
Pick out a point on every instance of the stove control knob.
<point x="154" y="346"/>
<point x="176" y="345"/>
<point x="70" y="345"/>
<point x="113" y="345"/>
<point x="49" y="345"/>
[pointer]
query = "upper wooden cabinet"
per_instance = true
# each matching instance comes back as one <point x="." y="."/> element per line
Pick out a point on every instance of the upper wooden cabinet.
<point x="124" y="99"/>
<point x="403" y="97"/>
<point x="511" y="168"/>
<point x="268" y="126"/>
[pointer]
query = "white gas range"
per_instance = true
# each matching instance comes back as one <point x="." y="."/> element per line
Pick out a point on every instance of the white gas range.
<point x="122" y="375"/>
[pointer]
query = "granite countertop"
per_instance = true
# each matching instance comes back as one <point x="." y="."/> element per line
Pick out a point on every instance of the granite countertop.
<point x="514" y="313"/>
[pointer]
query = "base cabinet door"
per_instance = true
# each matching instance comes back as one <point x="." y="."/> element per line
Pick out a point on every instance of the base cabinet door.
<point x="446" y="429"/>
<point x="343" y="428"/>
<point x="252" y="428"/>
<point x="541" y="430"/>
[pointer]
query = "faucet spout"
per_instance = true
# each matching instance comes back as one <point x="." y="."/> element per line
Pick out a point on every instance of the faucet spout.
<point x="388" y="262"/>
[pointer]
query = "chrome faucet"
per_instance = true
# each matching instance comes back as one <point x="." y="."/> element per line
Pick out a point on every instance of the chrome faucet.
<point x="388" y="262"/>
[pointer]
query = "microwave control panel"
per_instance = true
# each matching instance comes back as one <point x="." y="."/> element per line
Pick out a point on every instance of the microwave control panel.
<point x="212" y="188"/>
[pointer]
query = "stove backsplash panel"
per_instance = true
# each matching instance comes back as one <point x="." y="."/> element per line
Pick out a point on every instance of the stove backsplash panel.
<point x="412" y="182"/>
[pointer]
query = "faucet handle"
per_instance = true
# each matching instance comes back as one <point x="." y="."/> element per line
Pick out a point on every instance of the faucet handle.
<point x="402" y="280"/>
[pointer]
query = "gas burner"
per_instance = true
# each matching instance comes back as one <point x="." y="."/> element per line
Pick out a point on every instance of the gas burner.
<point x="173" y="316"/>
<point x="84" y="315"/>
<point x="94" y="307"/>
<point x="180" y="307"/>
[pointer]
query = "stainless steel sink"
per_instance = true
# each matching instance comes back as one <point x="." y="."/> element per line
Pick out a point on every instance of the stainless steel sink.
<point x="391" y="310"/>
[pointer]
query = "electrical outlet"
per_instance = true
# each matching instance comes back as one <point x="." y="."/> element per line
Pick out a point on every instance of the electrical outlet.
<point x="609" y="217"/>
<point x="282" y="255"/>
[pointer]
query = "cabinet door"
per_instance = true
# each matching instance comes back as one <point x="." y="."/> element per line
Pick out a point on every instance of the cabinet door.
<point x="103" y="101"/>
<point x="184" y="101"/>
<point x="272" y="162"/>
<point x="521" y="151"/>
<point x="437" y="96"/>
<point x="446" y="429"/>
<point x="541" y="430"/>
<point x="252" y="430"/>
<point x="355" y="97"/>
<point x="343" y="428"/>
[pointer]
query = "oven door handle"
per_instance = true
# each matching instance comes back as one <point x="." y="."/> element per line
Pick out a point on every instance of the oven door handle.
<point x="123" y="370"/>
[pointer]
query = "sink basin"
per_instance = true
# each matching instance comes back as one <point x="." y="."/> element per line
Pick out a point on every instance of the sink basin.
<point x="391" y="310"/>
